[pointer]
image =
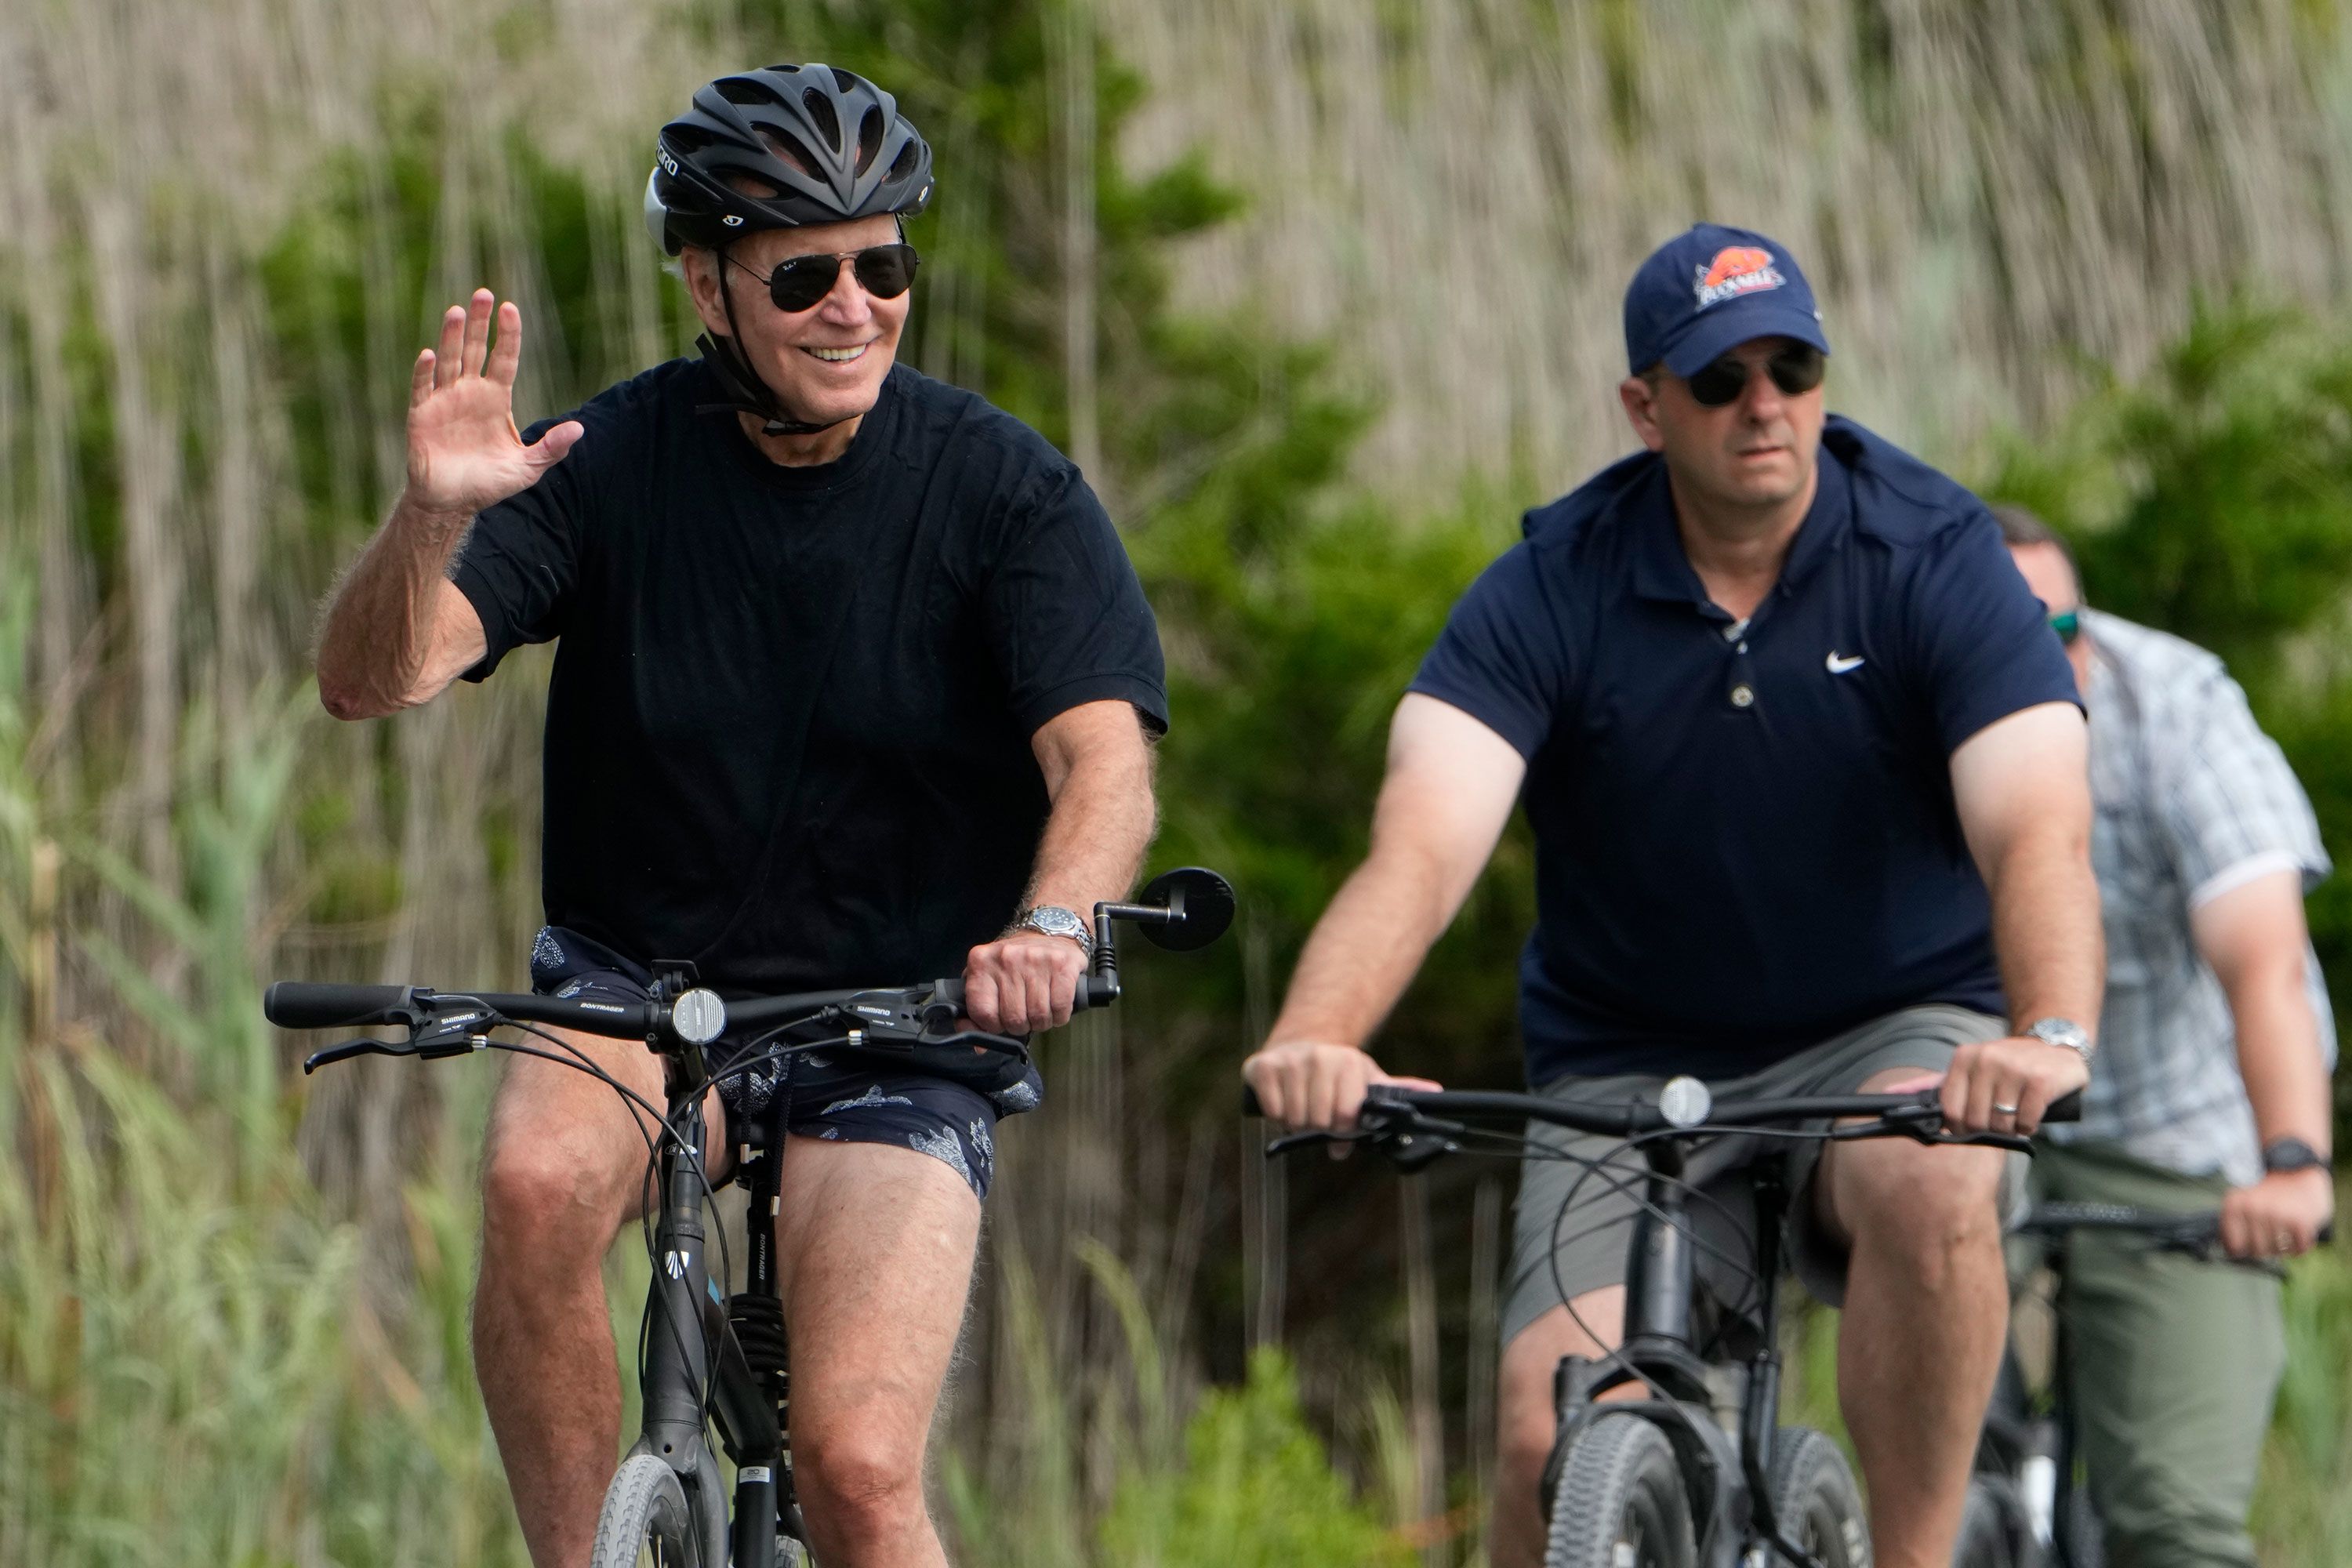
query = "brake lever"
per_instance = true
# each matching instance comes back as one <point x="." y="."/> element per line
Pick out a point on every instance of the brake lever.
<point x="1290" y="1141"/>
<point x="468" y="1033"/>
<point x="351" y="1048"/>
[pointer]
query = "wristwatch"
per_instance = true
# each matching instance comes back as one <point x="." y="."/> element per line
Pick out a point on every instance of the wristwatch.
<point x="1052" y="920"/>
<point x="2282" y="1154"/>
<point x="2061" y="1032"/>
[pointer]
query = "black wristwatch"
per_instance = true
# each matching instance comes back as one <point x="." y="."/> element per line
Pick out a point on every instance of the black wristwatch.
<point x="2283" y="1154"/>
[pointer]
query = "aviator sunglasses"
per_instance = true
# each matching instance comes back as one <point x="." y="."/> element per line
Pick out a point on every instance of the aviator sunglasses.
<point x="885" y="271"/>
<point x="1795" y="369"/>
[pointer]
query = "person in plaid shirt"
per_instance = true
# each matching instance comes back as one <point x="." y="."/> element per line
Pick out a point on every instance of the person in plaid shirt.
<point x="2211" y="1085"/>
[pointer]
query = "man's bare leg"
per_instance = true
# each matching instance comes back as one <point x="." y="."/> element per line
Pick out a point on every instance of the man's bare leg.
<point x="563" y="1170"/>
<point x="1527" y="1421"/>
<point x="875" y="1243"/>
<point x="1927" y="1308"/>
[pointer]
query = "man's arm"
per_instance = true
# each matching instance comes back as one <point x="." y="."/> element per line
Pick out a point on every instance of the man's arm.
<point x="2253" y="936"/>
<point x="2021" y="785"/>
<point x="1450" y="786"/>
<point x="1098" y="767"/>
<point x="398" y="630"/>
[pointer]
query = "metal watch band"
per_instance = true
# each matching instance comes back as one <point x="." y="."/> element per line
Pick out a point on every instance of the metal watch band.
<point x="1052" y="920"/>
<point x="2061" y="1032"/>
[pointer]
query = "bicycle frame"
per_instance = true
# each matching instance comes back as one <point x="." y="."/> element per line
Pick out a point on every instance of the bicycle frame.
<point x="687" y="1330"/>
<point x="1659" y="1349"/>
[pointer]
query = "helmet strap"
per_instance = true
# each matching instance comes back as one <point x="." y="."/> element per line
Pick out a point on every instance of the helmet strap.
<point x="746" y="391"/>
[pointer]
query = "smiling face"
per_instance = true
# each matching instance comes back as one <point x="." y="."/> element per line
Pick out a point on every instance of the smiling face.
<point x="825" y="364"/>
<point x="1754" y="452"/>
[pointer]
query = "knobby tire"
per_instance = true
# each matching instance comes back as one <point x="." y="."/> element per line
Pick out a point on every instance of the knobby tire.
<point x="1619" y="1502"/>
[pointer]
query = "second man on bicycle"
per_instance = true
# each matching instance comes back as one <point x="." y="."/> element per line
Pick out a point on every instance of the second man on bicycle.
<point x="1800" y="757"/>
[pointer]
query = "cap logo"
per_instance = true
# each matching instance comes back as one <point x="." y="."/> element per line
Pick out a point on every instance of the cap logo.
<point x="1736" y="270"/>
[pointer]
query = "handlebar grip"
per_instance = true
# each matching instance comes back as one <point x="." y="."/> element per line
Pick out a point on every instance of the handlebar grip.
<point x="2067" y="1107"/>
<point x="305" y="1004"/>
<point x="1093" y="991"/>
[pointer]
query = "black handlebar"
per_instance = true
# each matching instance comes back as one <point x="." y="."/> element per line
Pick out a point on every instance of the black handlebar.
<point x="303" y="1005"/>
<point x="1626" y="1118"/>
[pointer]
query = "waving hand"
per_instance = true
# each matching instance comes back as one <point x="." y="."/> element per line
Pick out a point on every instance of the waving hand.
<point x="464" y="451"/>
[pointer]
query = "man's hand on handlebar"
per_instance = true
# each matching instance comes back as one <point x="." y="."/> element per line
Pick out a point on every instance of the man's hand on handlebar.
<point x="1023" y="981"/>
<point x="2003" y="1086"/>
<point x="1315" y="1085"/>
<point x="2281" y="1216"/>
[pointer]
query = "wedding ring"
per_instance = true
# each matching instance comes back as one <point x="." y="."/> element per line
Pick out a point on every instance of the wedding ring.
<point x="2004" y="1109"/>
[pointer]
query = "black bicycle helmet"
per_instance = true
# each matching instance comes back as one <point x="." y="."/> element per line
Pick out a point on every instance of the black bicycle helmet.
<point x="780" y="147"/>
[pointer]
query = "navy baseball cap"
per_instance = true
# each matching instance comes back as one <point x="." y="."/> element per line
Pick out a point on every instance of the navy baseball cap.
<point x="1713" y="288"/>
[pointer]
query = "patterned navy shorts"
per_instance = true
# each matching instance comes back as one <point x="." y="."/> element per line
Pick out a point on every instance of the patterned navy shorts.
<point x="839" y="1096"/>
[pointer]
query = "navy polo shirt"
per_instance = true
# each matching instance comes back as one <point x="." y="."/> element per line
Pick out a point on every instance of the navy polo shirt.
<point x="1745" y="836"/>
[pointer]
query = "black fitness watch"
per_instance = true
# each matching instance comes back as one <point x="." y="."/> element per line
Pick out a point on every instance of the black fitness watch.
<point x="2283" y="1154"/>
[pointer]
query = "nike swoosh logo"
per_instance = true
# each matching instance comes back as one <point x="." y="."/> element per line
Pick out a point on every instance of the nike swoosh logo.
<point x="1841" y="665"/>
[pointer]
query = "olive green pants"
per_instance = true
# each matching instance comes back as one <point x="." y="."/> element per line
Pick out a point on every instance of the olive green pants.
<point x="2174" y="1366"/>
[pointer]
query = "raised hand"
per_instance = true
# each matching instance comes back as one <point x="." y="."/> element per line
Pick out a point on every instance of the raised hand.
<point x="464" y="451"/>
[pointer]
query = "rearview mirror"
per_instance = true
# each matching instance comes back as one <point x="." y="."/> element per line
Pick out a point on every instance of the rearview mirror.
<point x="1200" y="906"/>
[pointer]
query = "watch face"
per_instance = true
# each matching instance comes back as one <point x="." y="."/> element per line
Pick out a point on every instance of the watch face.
<point x="1055" y="922"/>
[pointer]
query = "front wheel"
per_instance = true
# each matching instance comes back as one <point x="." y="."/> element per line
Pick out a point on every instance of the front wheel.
<point x="646" y="1521"/>
<point x="1814" y="1500"/>
<point x="1619" y="1502"/>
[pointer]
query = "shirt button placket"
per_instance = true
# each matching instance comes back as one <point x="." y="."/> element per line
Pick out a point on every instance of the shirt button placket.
<point x="1743" y="684"/>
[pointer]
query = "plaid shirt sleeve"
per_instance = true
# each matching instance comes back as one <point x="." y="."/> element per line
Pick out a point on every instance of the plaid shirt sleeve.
<point x="2229" y="808"/>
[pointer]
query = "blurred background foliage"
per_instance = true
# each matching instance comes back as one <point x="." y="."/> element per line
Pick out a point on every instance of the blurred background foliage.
<point x="1322" y="294"/>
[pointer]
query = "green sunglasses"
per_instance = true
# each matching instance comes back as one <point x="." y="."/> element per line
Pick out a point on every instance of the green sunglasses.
<point x="2067" y="624"/>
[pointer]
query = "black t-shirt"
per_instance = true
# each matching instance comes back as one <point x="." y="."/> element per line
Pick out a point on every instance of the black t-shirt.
<point x="788" y="734"/>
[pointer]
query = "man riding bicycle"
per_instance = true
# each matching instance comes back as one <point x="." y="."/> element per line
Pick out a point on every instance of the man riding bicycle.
<point x="1800" y="756"/>
<point x="852" y="671"/>
<point x="2212" y="1093"/>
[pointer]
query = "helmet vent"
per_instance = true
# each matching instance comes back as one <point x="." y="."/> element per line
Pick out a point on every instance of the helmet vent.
<point x="745" y="182"/>
<point x="844" y="81"/>
<point x="740" y="90"/>
<point x="904" y="164"/>
<point x="789" y="150"/>
<point x="824" y="116"/>
<point x="869" y="138"/>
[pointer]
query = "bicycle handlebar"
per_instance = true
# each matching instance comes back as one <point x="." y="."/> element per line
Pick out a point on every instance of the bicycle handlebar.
<point x="1627" y="1119"/>
<point x="306" y="1004"/>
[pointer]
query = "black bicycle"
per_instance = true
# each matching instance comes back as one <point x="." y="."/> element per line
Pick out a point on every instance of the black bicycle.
<point x="1702" y="1472"/>
<point x="706" y="1358"/>
<point x="2028" y="1506"/>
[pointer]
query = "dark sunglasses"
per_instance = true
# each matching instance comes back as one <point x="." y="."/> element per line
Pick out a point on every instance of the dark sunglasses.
<point x="2067" y="624"/>
<point x="885" y="271"/>
<point x="1795" y="369"/>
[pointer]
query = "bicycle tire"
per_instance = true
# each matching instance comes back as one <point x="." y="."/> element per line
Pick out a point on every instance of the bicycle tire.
<point x="1988" y="1537"/>
<point x="1619" y="1502"/>
<point x="646" y="1511"/>
<point x="1815" y="1501"/>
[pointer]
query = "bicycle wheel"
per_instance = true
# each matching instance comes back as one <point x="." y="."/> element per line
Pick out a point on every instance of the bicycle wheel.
<point x="1989" y="1533"/>
<point x="1619" y="1502"/>
<point x="1815" y="1501"/>
<point x="645" y="1522"/>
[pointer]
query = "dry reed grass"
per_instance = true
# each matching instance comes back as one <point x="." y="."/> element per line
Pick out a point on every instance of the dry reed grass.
<point x="1986" y="192"/>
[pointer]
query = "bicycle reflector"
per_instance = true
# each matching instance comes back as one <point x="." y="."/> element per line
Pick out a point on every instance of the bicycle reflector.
<point x="698" y="1016"/>
<point x="1685" y="1102"/>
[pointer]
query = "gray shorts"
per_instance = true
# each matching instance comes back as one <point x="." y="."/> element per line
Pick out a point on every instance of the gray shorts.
<point x="1556" y="1257"/>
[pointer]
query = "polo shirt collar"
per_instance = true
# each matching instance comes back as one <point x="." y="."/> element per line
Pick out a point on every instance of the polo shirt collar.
<point x="1662" y="570"/>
